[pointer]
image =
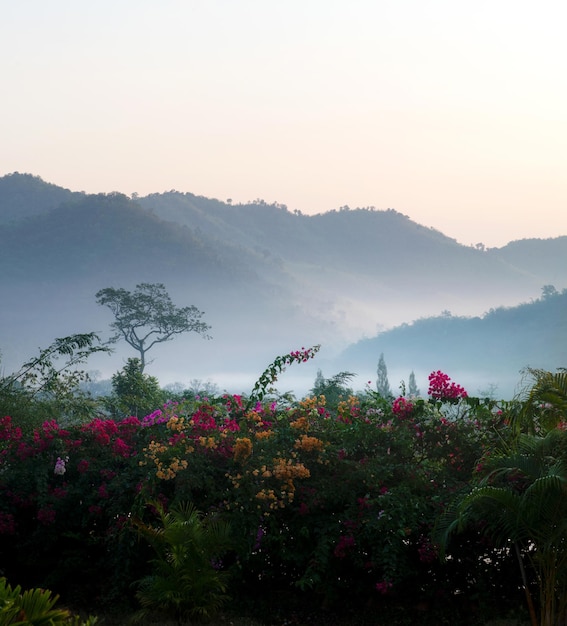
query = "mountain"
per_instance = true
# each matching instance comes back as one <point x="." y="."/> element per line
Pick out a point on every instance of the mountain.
<point x="478" y="352"/>
<point x="537" y="257"/>
<point x="269" y="280"/>
<point x="24" y="195"/>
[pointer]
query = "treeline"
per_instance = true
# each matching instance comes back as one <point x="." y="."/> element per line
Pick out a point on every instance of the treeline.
<point x="500" y="344"/>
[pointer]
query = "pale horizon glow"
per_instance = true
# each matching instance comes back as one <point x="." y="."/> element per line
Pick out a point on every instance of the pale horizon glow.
<point x="452" y="113"/>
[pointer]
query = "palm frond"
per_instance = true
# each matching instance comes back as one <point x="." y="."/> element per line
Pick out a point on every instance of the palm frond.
<point x="544" y="403"/>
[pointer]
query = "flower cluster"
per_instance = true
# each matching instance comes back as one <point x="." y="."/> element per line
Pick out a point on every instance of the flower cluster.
<point x="348" y="410"/>
<point x="309" y="444"/>
<point x="401" y="407"/>
<point x="441" y="388"/>
<point x="116" y="435"/>
<point x="383" y="587"/>
<point x="350" y="481"/>
<point x="303" y="355"/>
<point x="242" y="449"/>
<point x="345" y="543"/>
<point x="59" y="468"/>
<point x="285" y="471"/>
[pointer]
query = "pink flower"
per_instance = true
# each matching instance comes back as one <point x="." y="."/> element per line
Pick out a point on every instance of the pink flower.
<point x="441" y="388"/>
<point x="59" y="492"/>
<point x="303" y="509"/>
<point x="102" y="492"/>
<point x="8" y="431"/>
<point x="231" y="425"/>
<point x="59" y="468"/>
<point x="46" y="516"/>
<point x="402" y="407"/>
<point x="7" y="524"/>
<point x="383" y="587"/>
<point x="345" y="543"/>
<point x="119" y="448"/>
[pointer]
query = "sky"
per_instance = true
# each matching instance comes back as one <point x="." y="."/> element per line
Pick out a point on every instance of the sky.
<point x="453" y="113"/>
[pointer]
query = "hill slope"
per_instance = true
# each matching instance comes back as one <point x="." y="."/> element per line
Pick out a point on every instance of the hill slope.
<point x="269" y="280"/>
<point x="478" y="351"/>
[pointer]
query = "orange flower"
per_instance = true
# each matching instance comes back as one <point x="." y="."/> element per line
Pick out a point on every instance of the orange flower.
<point x="242" y="449"/>
<point x="264" y="434"/>
<point x="301" y="423"/>
<point x="308" y="444"/>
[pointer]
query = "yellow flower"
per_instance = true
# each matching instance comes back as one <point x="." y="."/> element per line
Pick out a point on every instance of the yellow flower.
<point x="208" y="442"/>
<point x="175" y="423"/>
<point x="242" y="449"/>
<point x="301" y="423"/>
<point x="312" y="402"/>
<point x="308" y="444"/>
<point x="253" y="416"/>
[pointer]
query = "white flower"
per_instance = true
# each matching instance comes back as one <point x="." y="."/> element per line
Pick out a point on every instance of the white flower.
<point x="59" y="469"/>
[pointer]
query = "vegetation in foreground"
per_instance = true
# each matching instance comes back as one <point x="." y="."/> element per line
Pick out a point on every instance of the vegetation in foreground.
<point x="335" y="508"/>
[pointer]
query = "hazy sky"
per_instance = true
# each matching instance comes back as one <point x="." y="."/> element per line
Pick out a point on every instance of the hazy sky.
<point x="449" y="111"/>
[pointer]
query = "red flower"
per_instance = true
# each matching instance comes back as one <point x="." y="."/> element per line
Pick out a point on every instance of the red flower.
<point x="46" y="516"/>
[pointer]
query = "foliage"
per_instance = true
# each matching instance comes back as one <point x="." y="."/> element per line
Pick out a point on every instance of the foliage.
<point x="34" y="607"/>
<point x="186" y="581"/>
<point x="66" y="494"/>
<point x="330" y="506"/>
<point x="519" y="497"/>
<point x="545" y="402"/>
<point x="334" y="389"/>
<point x="270" y="375"/>
<point x="133" y="392"/>
<point x="147" y="316"/>
<point x="50" y="382"/>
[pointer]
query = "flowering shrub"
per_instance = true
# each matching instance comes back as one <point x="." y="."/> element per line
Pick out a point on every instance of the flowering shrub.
<point x="326" y="500"/>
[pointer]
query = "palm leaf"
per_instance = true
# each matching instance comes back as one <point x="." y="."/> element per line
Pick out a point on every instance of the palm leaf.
<point x="184" y="580"/>
<point x="544" y="403"/>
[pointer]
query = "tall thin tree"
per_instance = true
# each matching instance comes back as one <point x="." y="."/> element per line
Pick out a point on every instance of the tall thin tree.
<point x="382" y="383"/>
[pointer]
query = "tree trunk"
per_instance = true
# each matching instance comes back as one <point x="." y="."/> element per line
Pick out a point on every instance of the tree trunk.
<point x="529" y="600"/>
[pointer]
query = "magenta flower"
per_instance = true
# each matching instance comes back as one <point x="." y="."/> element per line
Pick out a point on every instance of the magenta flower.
<point x="441" y="388"/>
<point x="383" y="587"/>
<point x="46" y="516"/>
<point x="402" y="407"/>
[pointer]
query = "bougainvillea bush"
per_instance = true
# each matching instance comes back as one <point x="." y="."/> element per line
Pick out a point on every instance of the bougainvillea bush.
<point x="328" y="510"/>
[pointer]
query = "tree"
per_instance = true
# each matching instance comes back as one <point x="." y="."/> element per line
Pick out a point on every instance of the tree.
<point x="521" y="502"/>
<point x="134" y="393"/>
<point x="548" y="291"/>
<point x="147" y="316"/>
<point x="412" y="386"/>
<point x="520" y="498"/>
<point x="382" y="383"/>
<point x="334" y="389"/>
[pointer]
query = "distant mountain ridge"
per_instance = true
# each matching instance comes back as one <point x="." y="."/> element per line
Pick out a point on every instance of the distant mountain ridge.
<point x="267" y="278"/>
<point x="491" y="349"/>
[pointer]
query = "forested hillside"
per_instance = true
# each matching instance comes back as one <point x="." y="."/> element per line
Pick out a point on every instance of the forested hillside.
<point x="482" y="352"/>
<point x="267" y="278"/>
